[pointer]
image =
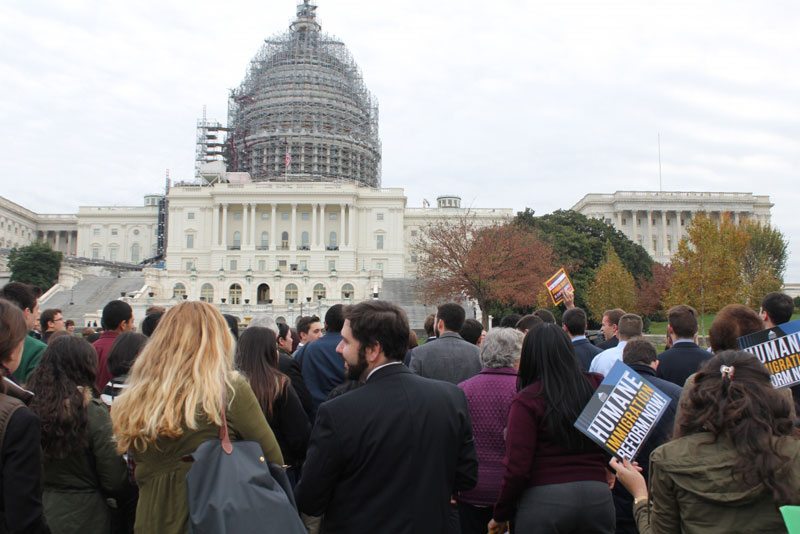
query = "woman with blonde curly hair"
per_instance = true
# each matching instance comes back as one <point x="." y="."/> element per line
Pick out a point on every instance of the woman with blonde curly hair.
<point x="177" y="391"/>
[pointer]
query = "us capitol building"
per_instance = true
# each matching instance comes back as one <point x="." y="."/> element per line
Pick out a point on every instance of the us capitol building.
<point x="286" y="214"/>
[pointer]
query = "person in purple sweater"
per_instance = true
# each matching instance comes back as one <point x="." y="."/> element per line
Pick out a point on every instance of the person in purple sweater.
<point x="489" y="396"/>
<point x="555" y="478"/>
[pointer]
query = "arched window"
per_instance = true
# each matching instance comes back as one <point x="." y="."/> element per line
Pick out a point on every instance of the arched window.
<point x="178" y="291"/>
<point x="264" y="240"/>
<point x="319" y="292"/>
<point x="235" y="294"/>
<point x="207" y="293"/>
<point x="237" y="239"/>
<point x="291" y="293"/>
<point x="332" y="240"/>
<point x="347" y="291"/>
<point x="285" y="240"/>
<point x="262" y="294"/>
<point x="135" y="253"/>
<point x="304" y="240"/>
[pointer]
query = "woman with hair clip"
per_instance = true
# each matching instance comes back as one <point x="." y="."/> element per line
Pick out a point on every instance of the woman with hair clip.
<point x="555" y="478"/>
<point x="21" y="468"/>
<point x="178" y="388"/>
<point x="734" y="459"/>
<point x="81" y="465"/>
<point x="257" y="360"/>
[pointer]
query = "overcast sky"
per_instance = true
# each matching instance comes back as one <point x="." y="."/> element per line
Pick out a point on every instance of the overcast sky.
<point x="506" y="103"/>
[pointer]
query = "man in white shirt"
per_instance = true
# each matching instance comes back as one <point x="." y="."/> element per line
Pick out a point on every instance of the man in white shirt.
<point x="630" y="326"/>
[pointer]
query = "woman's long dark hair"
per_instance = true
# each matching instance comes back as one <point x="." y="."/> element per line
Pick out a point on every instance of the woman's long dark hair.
<point x="63" y="382"/>
<point x="743" y="406"/>
<point x="548" y="356"/>
<point x="257" y="359"/>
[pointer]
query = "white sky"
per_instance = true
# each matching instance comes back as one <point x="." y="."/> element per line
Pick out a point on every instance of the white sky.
<point x="506" y="103"/>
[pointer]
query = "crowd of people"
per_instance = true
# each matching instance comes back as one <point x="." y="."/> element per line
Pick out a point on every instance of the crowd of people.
<point x="463" y="432"/>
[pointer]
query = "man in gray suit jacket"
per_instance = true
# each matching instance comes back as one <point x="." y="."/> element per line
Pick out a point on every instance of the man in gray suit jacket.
<point x="449" y="358"/>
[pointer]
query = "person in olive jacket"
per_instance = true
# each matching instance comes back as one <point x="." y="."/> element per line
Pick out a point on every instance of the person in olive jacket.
<point x="81" y="465"/>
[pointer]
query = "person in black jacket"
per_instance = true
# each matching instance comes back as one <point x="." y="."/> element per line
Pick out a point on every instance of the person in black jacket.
<point x="21" y="435"/>
<point x="387" y="456"/>
<point x="257" y="360"/>
<point x="291" y="368"/>
<point x="574" y="324"/>
<point x="684" y="358"/>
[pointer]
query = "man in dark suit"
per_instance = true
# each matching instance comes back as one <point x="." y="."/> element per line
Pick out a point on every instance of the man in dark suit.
<point x="386" y="457"/>
<point x="684" y="358"/>
<point x="609" y="326"/>
<point x="451" y="358"/>
<point x="574" y="324"/>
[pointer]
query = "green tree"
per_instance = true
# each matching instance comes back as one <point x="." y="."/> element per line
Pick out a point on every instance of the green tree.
<point x="579" y="243"/>
<point x="708" y="266"/>
<point x="36" y="264"/>
<point x="763" y="262"/>
<point x="613" y="287"/>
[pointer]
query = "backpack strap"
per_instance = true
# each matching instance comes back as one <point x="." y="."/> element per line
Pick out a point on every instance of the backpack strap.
<point x="223" y="429"/>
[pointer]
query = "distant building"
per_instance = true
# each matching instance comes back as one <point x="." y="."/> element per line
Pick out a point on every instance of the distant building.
<point x="657" y="220"/>
<point x="20" y="227"/>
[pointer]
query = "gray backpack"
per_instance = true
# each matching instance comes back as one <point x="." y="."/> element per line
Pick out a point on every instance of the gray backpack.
<point x="231" y="489"/>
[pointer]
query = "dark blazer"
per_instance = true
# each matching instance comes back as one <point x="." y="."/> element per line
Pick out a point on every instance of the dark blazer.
<point x="291" y="368"/>
<point x="387" y="457"/>
<point x="323" y="368"/>
<point x="676" y="364"/>
<point x="585" y="352"/>
<point x="608" y="343"/>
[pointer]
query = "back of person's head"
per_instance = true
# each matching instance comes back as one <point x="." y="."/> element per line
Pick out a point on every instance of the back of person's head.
<point x="778" y="306"/>
<point x="123" y="352"/>
<point x="510" y="320"/>
<point x="57" y="334"/>
<point x="63" y="382"/>
<point x="732" y="395"/>
<point x="548" y="356"/>
<point x="150" y="322"/>
<point x="68" y="323"/>
<point x="304" y="323"/>
<point x="732" y="322"/>
<point x="428" y="324"/>
<point x="155" y="309"/>
<point x="471" y="331"/>
<point x="257" y="359"/>
<point x="283" y="330"/>
<point x="639" y="350"/>
<point x="13" y="331"/>
<point x="233" y="324"/>
<point x="527" y="322"/>
<point x="683" y="320"/>
<point x="453" y="316"/>
<point x="545" y="316"/>
<point x="21" y="295"/>
<point x="614" y="315"/>
<point x="178" y="377"/>
<point x="502" y="347"/>
<point x="630" y="326"/>
<point x="115" y="313"/>
<point x="334" y="318"/>
<point x="46" y="316"/>
<point x="87" y="331"/>
<point x="413" y="342"/>
<point x="379" y="321"/>
<point x="263" y="321"/>
<point x="575" y="321"/>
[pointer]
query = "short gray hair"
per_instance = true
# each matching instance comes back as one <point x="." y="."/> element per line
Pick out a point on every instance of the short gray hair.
<point x="501" y="347"/>
<point x="264" y="321"/>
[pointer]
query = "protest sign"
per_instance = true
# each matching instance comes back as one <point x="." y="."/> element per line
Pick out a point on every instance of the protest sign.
<point x="556" y="285"/>
<point x="778" y="348"/>
<point x="622" y="412"/>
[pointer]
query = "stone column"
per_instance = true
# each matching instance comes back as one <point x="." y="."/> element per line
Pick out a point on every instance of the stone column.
<point x="314" y="232"/>
<point x="245" y="214"/>
<point x="273" y="237"/>
<point x="58" y="240"/>
<point x="225" y="225"/>
<point x="341" y="241"/>
<point x="293" y="236"/>
<point x="664" y="233"/>
<point x="215" y="227"/>
<point x="253" y="208"/>
<point x="323" y="241"/>
<point x="634" y="226"/>
<point x="650" y="233"/>
<point x="352" y="221"/>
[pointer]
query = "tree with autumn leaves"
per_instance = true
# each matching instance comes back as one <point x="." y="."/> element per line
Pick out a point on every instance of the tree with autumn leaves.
<point x="613" y="286"/>
<point x="495" y="263"/>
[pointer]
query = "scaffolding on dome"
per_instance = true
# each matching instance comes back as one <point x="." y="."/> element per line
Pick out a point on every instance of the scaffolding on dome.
<point x="303" y="112"/>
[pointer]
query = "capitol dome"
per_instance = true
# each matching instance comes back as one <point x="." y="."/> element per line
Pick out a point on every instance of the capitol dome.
<point x="303" y="112"/>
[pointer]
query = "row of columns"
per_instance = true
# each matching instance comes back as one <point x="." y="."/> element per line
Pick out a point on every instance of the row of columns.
<point x="248" y="227"/>
<point x="54" y="238"/>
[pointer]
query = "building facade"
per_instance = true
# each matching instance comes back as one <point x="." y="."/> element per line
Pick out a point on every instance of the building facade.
<point x="657" y="220"/>
<point x="20" y="227"/>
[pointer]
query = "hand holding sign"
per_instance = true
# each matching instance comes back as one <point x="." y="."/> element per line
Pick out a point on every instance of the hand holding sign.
<point x="556" y="285"/>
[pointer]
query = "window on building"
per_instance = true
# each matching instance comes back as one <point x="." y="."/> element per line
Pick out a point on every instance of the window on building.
<point x="95" y="253"/>
<point x="624" y="221"/>
<point x="379" y="266"/>
<point x="291" y="293"/>
<point x="655" y="244"/>
<point x="332" y="243"/>
<point x="379" y="243"/>
<point x="331" y="265"/>
<point x="189" y="240"/>
<point x="112" y="254"/>
<point x="282" y="265"/>
<point x="178" y="291"/>
<point x="190" y="215"/>
<point x="114" y="231"/>
<point x="319" y="292"/>
<point x="413" y="257"/>
<point x="237" y="239"/>
<point x="305" y="216"/>
<point x="264" y="216"/>
<point x="235" y="294"/>
<point x="264" y="240"/>
<point x="669" y="245"/>
<point x="285" y="216"/>
<point x="136" y="232"/>
<point x="380" y="216"/>
<point x="333" y="216"/>
<point x="207" y="293"/>
<point x="234" y="265"/>
<point x="302" y="265"/>
<point x="95" y="231"/>
<point x="347" y="291"/>
<point x="135" y="253"/>
<point x="262" y="294"/>
<point x="668" y="222"/>
<point x="188" y="265"/>
<point x="262" y="265"/>
<point x="304" y="239"/>
<point x="285" y="240"/>
<point x="237" y="216"/>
